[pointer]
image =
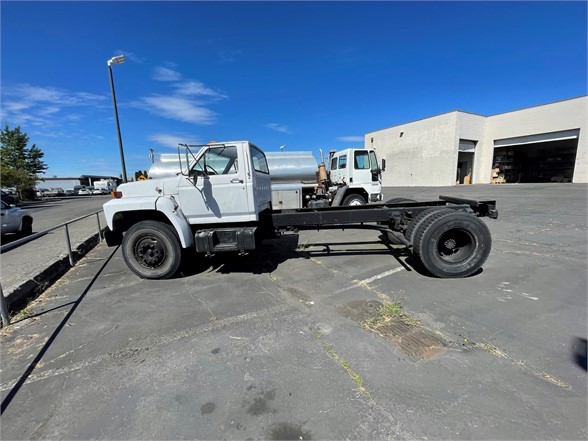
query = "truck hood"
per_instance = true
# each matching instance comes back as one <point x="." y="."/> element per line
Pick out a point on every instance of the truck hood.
<point x="150" y="187"/>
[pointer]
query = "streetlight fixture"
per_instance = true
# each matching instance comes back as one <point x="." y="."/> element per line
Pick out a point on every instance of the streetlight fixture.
<point x="117" y="60"/>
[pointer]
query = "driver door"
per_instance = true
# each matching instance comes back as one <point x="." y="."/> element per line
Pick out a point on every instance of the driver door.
<point x="216" y="191"/>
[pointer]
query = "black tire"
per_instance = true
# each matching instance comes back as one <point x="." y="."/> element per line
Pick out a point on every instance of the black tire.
<point x="420" y="218"/>
<point x="354" y="199"/>
<point x="27" y="226"/>
<point x="452" y="244"/>
<point x="152" y="250"/>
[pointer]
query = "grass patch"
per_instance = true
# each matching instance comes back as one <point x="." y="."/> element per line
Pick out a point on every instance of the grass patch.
<point x="345" y="365"/>
<point x="388" y="312"/>
<point x="22" y="314"/>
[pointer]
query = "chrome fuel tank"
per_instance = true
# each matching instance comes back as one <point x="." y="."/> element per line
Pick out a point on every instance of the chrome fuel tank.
<point x="292" y="167"/>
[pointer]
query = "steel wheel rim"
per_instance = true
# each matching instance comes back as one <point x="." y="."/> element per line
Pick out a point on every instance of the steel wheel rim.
<point x="455" y="246"/>
<point x="150" y="252"/>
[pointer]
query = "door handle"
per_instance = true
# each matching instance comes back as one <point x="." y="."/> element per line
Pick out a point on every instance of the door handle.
<point x="236" y="181"/>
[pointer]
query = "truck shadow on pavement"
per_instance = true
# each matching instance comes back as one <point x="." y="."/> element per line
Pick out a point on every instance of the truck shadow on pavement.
<point x="271" y="253"/>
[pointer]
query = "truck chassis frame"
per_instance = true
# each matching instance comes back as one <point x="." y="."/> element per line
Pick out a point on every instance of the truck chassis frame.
<point x="446" y="236"/>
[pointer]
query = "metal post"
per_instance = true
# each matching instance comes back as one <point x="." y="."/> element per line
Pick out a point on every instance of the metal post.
<point x="4" y="309"/>
<point x="100" y="235"/>
<point x="120" y="145"/>
<point x="71" y="259"/>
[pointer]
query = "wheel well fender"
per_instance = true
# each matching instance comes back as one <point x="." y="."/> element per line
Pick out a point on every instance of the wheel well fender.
<point x="166" y="211"/>
<point x="359" y="191"/>
<point x="174" y="213"/>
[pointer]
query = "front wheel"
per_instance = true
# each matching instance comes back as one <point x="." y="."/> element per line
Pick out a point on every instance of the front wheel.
<point x="354" y="199"/>
<point x="152" y="250"/>
<point x="452" y="244"/>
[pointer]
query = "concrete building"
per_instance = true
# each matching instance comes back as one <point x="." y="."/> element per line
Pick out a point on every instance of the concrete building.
<point x="546" y="143"/>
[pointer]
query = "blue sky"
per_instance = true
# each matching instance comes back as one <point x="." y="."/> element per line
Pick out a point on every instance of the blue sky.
<point x="302" y="74"/>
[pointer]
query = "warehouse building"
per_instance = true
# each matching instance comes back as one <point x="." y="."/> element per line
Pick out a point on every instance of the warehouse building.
<point x="546" y="143"/>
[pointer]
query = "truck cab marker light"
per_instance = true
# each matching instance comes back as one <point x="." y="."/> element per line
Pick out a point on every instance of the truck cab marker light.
<point x="117" y="194"/>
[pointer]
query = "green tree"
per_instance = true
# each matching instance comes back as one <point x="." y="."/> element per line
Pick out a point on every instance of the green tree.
<point x="20" y="166"/>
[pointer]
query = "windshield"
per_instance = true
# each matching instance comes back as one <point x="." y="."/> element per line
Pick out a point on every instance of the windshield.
<point x="218" y="161"/>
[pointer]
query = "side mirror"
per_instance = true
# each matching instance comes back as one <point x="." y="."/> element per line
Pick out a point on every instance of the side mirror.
<point x="383" y="165"/>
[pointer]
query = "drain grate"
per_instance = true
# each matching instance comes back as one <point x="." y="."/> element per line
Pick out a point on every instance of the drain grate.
<point x="415" y="341"/>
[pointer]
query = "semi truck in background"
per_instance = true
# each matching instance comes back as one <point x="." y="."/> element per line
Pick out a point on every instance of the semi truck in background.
<point x="349" y="177"/>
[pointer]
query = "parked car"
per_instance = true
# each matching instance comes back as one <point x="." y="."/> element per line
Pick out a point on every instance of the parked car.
<point x="15" y="220"/>
<point x="56" y="191"/>
<point x="42" y="192"/>
<point x="84" y="192"/>
<point x="9" y="198"/>
<point x="70" y="192"/>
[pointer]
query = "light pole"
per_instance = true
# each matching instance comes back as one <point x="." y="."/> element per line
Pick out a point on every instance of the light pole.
<point x="117" y="60"/>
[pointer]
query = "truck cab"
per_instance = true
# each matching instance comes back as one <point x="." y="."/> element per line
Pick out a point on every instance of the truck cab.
<point x="225" y="184"/>
<point x="358" y="169"/>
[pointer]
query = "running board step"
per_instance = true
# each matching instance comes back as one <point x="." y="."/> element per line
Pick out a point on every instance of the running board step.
<point x="218" y="240"/>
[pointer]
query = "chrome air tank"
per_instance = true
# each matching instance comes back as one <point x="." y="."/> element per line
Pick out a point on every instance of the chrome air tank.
<point x="292" y="167"/>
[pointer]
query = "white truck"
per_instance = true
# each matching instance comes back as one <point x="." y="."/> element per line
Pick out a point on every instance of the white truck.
<point x="105" y="185"/>
<point x="350" y="177"/>
<point x="221" y="201"/>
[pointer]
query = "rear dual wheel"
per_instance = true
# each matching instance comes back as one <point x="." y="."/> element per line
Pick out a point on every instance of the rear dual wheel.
<point x="452" y="243"/>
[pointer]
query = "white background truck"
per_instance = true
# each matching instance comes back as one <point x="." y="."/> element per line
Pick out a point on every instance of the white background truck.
<point x="105" y="185"/>
<point x="222" y="202"/>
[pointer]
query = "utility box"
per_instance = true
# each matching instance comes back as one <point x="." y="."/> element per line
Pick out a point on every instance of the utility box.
<point x="286" y="196"/>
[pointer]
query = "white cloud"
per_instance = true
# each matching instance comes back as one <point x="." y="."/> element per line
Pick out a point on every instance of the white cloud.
<point x="178" y="108"/>
<point x="181" y="104"/>
<point x="161" y="73"/>
<point x="172" y="140"/>
<point x="351" y="138"/>
<point x="43" y="106"/>
<point x="278" y="128"/>
<point x="197" y="88"/>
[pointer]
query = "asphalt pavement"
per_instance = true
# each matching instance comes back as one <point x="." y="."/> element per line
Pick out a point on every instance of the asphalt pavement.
<point x="286" y="343"/>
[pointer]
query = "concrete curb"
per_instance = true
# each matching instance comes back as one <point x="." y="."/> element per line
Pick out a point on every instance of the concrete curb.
<point x="30" y="289"/>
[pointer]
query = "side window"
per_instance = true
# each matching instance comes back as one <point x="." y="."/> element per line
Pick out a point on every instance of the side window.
<point x="259" y="161"/>
<point x="343" y="161"/>
<point x="361" y="160"/>
<point x="334" y="164"/>
<point x="219" y="161"/>
<point x="373" y="161"/>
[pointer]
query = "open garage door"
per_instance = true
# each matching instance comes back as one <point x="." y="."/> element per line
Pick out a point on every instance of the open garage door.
<point x="547" y="157"/>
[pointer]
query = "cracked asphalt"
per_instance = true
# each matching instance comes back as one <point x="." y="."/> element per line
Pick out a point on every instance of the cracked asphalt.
<point x="270" y="345"/>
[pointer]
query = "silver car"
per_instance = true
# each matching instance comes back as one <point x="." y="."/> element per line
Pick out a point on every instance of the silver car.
<point x="15" y="220"/>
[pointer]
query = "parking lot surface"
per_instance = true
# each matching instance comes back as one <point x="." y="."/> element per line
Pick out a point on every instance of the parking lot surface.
<point x="286" y="343"/>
